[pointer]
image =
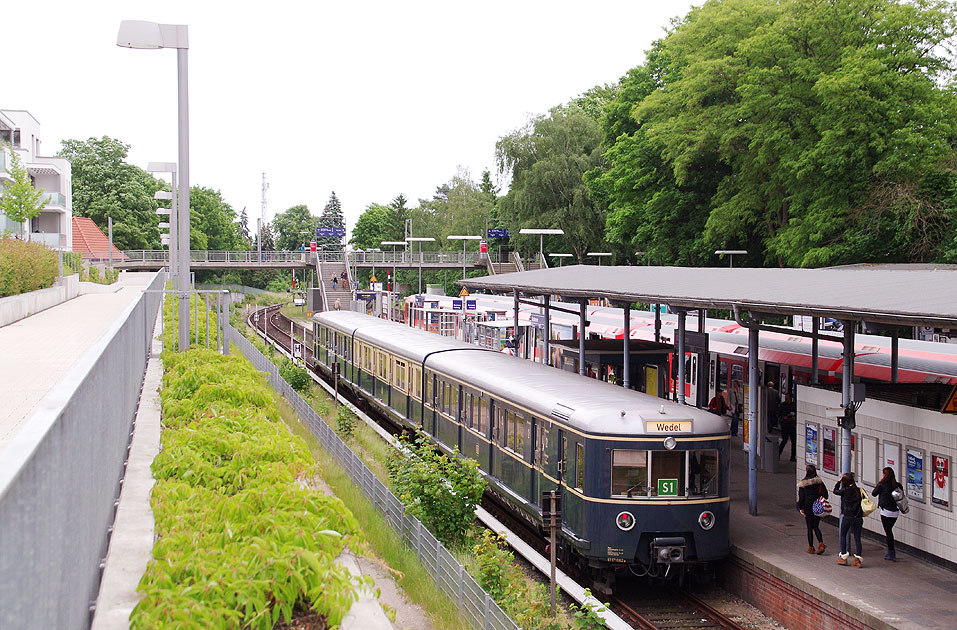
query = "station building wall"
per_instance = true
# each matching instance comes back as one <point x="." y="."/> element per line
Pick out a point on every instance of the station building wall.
<point x="928" y="526"/>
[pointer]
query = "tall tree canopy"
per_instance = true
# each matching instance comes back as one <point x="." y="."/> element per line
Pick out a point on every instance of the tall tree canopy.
<point x="808" y="132"/>
<point x="293" y="227"/>
<point x="105" y="185"/>
<point x="546" y="160"/>
<point x="211" y="220"/>
<point x="331" y="217"/>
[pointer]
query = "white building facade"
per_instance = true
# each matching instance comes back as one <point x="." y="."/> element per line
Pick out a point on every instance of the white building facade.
<point x="20" y="132"/>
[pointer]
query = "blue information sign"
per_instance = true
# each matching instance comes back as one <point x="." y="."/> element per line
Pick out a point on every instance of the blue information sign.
<point x="498" y="233"/>
<point x="456" y="305"/>
<point x="470" y="305"/>
<point x="327" y="232"/>
<point x="537" y="320"/>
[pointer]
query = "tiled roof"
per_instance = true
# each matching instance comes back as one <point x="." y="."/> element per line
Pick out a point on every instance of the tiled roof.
<point x="90" y="240"/>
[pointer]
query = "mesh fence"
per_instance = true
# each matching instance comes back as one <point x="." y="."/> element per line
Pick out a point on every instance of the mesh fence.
<point x="476" y="608"/>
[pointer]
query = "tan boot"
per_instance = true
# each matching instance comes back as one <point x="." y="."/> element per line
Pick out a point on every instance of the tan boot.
<point x="842" y="559"/>
<point x="810" y="549"/>
<point x="856" y="562"/>
<point x="820" y="548"/>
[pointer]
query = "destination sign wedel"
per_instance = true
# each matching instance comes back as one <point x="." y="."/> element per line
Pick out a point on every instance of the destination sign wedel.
<point x="668" y="426"/>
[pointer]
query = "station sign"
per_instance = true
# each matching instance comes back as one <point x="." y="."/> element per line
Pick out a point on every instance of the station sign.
<point x="456" y="305"/>
<point x="420" y="300"/>
<point x="471" y="305"/>
<point x="330" y="232"/>
<point x="498" y="233"/>
<point x="537" y="320"/>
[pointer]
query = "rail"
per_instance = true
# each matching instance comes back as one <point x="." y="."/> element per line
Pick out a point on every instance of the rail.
<point x="476" y="607"/>
<point x="61" y="476"/>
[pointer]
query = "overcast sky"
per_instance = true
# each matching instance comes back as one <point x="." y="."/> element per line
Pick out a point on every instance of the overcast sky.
<point x="369" y="99"/>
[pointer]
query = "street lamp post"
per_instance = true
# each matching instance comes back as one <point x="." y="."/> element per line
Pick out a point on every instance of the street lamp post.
<point x="599" y="256"/>
<point x="150" y="35"/>
<point x="168" y="167"/>
<point x="731" y="253"/>
<point x="560" y="256"/>
<point x="420" y="240"/>
<point x="541" y="237"/>
<point x="464" y="240"/>
<point x="394" y="244"/>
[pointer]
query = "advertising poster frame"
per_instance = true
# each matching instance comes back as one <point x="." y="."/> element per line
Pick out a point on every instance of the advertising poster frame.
<point x="940" y="481"/>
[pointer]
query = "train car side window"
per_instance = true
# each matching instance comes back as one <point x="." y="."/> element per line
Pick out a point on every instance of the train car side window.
<point x="517" y="434"/>
<point x="454" y="401"/>
<point x="482" y="424"/>
<point x="703" y="472"/>
<point x="541" y="456"/>
<point x="400" y="374"/>
<point x="629" y="472"/>
<point x="579" y="466"/>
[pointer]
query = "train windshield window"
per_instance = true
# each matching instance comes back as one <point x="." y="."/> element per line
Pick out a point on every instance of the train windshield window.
<point x="629" y="473"/>
<point x="702" y="471"/>
<point x="667" y="473"/>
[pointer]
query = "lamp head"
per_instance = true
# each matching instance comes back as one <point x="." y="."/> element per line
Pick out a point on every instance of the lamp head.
<point x="150" y="35"/>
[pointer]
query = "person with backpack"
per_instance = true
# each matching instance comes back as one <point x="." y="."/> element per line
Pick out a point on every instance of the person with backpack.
<point x="852" y="519"/>
<point x="812" y="496"/>
<point x="884" y="491"/>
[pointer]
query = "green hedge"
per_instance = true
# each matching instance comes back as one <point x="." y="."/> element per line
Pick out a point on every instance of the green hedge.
<point x="25" y="266"/>
<point x="242" y="543"/>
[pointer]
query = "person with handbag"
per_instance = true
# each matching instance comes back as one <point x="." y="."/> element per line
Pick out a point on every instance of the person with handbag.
<point x="852" y="518"/>
<point x="735" y="404"/>
<point x="812" y="499"/>
<point x="884" y="491"/>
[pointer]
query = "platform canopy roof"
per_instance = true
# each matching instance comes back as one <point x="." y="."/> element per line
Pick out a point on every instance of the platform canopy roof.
<point x="904" y="295"/>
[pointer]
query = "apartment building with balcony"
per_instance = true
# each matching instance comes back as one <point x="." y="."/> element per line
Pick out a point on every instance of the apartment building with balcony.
<point x="20" y="132"/>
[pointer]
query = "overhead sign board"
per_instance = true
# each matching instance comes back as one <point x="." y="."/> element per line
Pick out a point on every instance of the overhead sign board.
<point x="695" y="341"/>
<point x="330" y="232"/>
<point x="498" y="233"/>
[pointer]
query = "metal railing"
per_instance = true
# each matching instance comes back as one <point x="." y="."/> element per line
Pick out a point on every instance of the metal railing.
<point x="475" y="606"/>
<point x="60" y="478"/>
<point x="55" y="199"/>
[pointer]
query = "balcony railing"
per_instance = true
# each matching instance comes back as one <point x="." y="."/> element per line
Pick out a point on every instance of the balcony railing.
<point x="53" y="241"/>
<point x="54" y="199"/>
<point x="445" y="258"/>
<point x="3" y="161"/>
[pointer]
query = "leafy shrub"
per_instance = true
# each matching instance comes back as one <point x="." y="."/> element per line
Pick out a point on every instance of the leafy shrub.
<point x="93" y="275"/>
<point x="72" y="262"/>
<point x="297" y="377"/>
<point x="25" y="266"/>
<point x="586" y="617"/>
<point x="241" y="542"/>
<point x="441" y="492"/>
<point x="345" y="422"/>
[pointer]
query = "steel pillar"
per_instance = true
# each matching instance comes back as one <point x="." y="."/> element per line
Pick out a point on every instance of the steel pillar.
<point x="680" y="345"/>
<point x="753" y="435"/>
<point x="847" y="378"/>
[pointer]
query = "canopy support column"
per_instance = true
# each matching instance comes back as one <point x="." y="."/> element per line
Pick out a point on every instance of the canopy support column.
<point x="895" y="356"/>
<point x="752" y="420"/>
<point x="626" y="360"/>
<point x="680" y="345"/>
<point x="814" y="351"/>
<point x="847" y="378"/>
<point x="547" y="359"/>
<point x="581" y="338"/>
<point x="515" y="323"/>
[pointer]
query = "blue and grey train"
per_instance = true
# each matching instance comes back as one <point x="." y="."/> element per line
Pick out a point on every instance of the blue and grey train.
<point x="643" y="482"/>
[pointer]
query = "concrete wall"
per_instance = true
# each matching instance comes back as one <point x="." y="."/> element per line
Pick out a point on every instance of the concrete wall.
<point x="928" y="526"/>
<point x="16" y="307"/>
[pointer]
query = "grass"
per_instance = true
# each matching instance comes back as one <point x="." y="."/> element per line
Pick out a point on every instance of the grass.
<point x="381" y="538"/>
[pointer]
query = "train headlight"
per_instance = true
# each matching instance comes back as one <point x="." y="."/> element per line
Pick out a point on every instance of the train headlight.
<point x="706" y="520"/>
<point x="670" y="443"/>
<point x="625" y="521"/>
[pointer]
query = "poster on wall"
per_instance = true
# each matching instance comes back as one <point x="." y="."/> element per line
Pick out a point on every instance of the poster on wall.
<point x="828" y="449"/>
<point x="892" y="457"/>
<point x="810" y="443"/>
<point x="940" y="486"/>
<point x="915" y="474"/>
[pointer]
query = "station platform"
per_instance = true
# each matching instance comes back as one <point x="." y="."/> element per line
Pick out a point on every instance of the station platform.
<point x="909" y="594"/>
<point x="38" y="352"/>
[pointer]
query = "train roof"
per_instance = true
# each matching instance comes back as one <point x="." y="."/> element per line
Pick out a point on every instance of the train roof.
<point x="582" y="403"/>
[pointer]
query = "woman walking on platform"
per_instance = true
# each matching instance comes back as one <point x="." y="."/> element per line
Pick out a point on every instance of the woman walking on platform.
<point x="810" y="489"/>
<point x="853" y="518"/>
<point x="889" y="511"/>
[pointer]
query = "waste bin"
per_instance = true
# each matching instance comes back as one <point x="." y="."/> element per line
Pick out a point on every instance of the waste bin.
<point x="769" y="454"/>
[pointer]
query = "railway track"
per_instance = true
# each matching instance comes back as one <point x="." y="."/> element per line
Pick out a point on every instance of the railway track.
<point x="646" y="608"/>
<point x="659" y="608"/>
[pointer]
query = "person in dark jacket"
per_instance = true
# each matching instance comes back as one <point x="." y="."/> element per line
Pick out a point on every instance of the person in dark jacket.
<point x="852" y="518"/>
<point x="809" y="489"/>
<point x="888" y="506"/>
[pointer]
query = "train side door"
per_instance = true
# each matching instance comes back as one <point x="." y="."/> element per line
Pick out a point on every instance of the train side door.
<point x="691" y="391"/>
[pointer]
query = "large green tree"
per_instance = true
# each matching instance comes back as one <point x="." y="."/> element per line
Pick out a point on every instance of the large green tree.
<point x="809" y="132"/>
<point x="546" y="160"/>
<point x="105" y="185"/>
<point x="293" y="227"/>
<point x="371" y="227"/>
<point x="20" y="201"/>
<point x="331" y="216"/>
<point x="210" y="220"/>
